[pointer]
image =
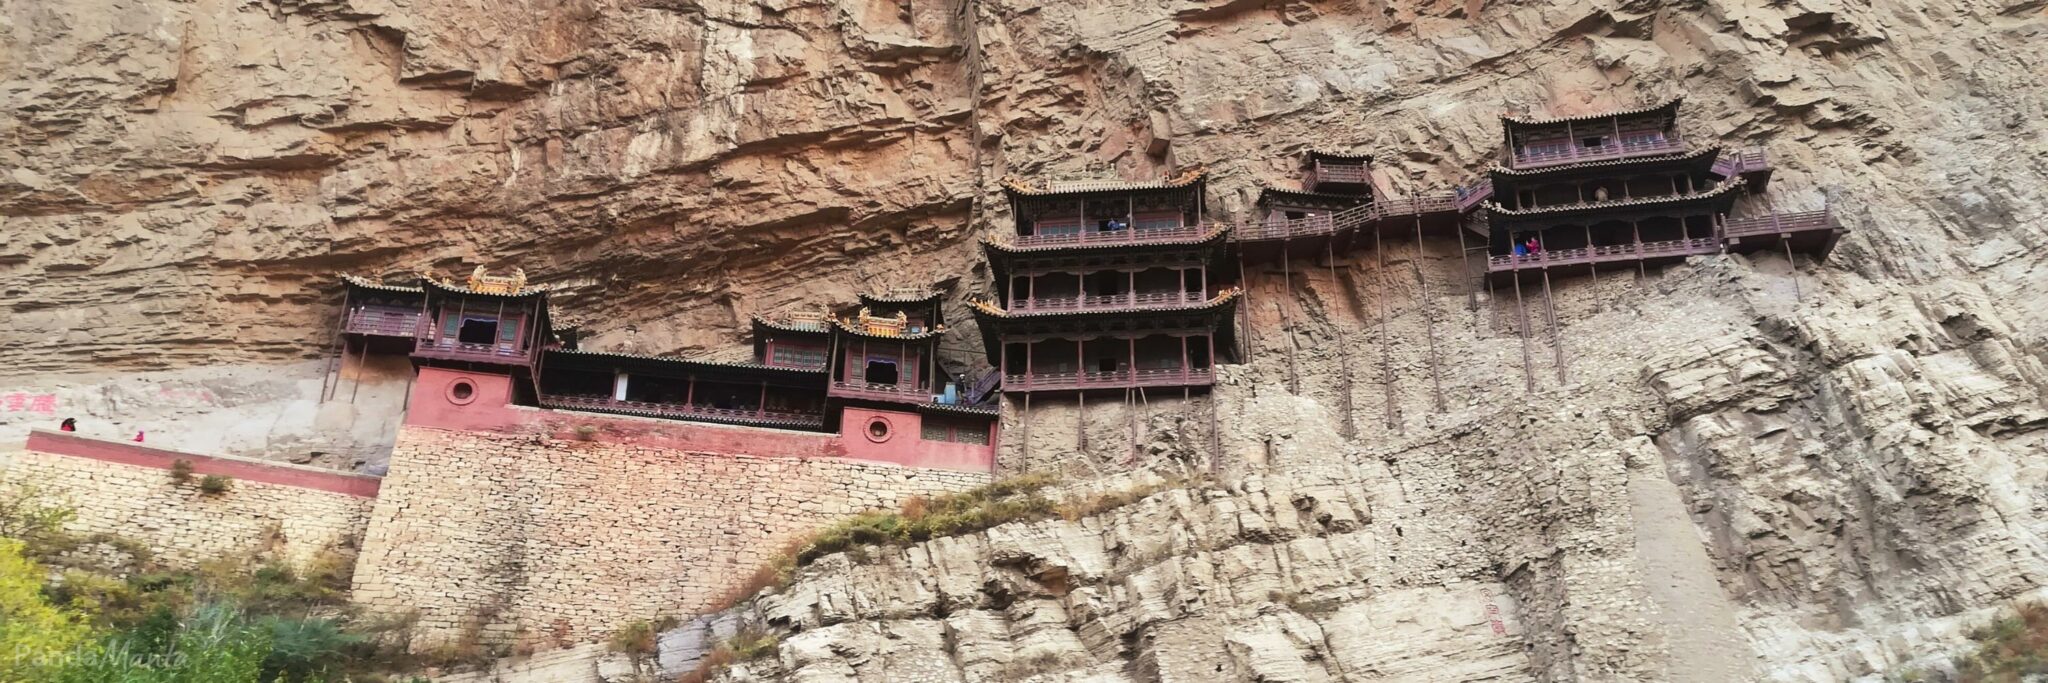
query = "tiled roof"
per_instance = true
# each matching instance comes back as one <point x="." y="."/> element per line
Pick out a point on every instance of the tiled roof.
<point x="1723" y="188"/>
<point x="1714" y="150"/>
<point x="444" y="286"/>
<point x="1216" y="232"/>
<point x="990" y="309"/>
<point x="1021" y="187"/>
<point x="982" y="410"/>
<point x="901" y="297"/>
<point x="366" y="283"/>
<point x="929" y="332"/>
<point x="746" y="365"/>
<point x="1360" y="157"/>
<point x="1273" y="189"/>
<point x="790" y="326"/>
<point x="1671" y="104"/>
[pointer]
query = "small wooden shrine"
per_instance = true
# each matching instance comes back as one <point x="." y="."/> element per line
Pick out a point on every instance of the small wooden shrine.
<point x="1107" y="285"/>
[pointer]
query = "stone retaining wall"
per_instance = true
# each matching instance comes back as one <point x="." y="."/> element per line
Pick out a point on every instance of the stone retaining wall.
<point x="525" y="538"/>
<point x="126" y="490"/>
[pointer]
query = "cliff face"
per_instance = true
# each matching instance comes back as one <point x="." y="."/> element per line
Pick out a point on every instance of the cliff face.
<point x="1729" y="469"/>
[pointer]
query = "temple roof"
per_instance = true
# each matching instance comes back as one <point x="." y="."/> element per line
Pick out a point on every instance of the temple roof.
<point x="687" y="363"/>
<point x="763" y="421"/>
<point x="901" y="295"/>
<point x="798" y="326"/>
<point x="1710" y="153"/>
<point x="989" y="410"/>
<point x="1339" y="157"/>
<point x="366" y="283"/>
<point x="869" y="333"/>
<point x="1721" y="190"/>
<point x="451" y="288"/>
<point x="1021" y="188"/>
<point x="1000" y="242"/>
<point x="989" y="310"/>
<point x="1668" y="106"/>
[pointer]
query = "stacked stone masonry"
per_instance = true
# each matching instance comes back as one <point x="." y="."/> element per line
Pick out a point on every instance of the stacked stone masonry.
<point x="544" y="542"/>
<point x="182" y="525"/>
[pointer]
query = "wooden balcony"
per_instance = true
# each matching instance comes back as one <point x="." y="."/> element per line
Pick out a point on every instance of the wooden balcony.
<point x="1122" y="379"/>
<point x="449" y="349"/>
<point x="1112" y="302"/>
<point x="1630" y="253"/>
<point x="1338" y="178"/>
<point x="895" y="393"/>
<point x="383" y="322"/>
<point x="1779" y="224"/>
<point x="1573" y="153"/>
<point x="682" y="411"/>
<point x="1101" y="237"/>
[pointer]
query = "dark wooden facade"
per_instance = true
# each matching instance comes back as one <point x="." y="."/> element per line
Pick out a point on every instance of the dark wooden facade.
<point x="1124" y="307"/>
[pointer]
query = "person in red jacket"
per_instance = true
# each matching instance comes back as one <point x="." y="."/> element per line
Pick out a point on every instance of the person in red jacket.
<point x="70" y="425"/>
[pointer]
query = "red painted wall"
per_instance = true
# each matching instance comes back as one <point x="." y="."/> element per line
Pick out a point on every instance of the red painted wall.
<point x="905" y="445"/>
<point x="488" y="408"/>
<point x="130" y="453"/>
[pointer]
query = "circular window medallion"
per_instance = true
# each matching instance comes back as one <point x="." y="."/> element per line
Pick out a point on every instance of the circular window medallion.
<point x="878" y="429"/>
<point x="461" y="391"/>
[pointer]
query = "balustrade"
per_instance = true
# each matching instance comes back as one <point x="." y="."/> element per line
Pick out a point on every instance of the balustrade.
<point x="1600" y="254"/>
<point x="1113" y="379"/>
<point x="458" y="350"/>
<point x="1109" y="302"/>
<point x="1779" y="223"/>
<point x="686" y="411"/>
<point x="1095" y="237"/>
<point x="383" y="322"/>
<point x="1613" y="150"/>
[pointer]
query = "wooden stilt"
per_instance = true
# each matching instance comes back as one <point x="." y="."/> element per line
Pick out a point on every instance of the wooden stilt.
<point x="1386" y="348"/>
<point x="1436" y="380"/>
<point x="340" y="346"/>
<point x="1594" y="265"/>
<point x="357" y="386"/>
<point x="1642" y="271"/>
<point x="406" y="404"/>
<point x="1343" y="346"/>
<point x="1793" y="267"/>
<point x="1081" y="418"/>
<point x="1465" y="265"/>
<point x="1556" y="340"/>
<point x="1025" y="424"/>
<point x="1522" y="312"/>
<point x="1244" y="278"/>
<point x="1287" y="320"/>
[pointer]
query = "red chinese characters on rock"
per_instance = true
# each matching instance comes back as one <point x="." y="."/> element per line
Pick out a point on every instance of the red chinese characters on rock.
<point x="25" y="402"/>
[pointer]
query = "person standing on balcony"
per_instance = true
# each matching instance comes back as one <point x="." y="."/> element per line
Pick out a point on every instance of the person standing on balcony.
<point x="1535" y="246"/>
<point x="1521" y="250"/>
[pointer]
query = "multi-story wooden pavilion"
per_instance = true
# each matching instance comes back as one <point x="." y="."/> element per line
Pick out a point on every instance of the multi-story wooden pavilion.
<point x="734" y="392"/>
<point x="494" y="323"/>
<point x="1112" y="304"/>
<point x="1339" y="204"/>
<point x="1624" y="189"/>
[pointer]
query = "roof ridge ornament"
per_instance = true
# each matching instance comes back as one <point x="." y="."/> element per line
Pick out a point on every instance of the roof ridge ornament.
<point x="482" y="281"/>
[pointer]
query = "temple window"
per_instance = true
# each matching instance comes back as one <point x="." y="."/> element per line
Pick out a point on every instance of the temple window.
<point x="881" y="372"/>
<point x="477" y="331"/>
<point x="1594" y="142"/>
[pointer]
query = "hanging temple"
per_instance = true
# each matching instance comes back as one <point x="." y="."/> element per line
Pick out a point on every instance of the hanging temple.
<point x="1108" y="286"/>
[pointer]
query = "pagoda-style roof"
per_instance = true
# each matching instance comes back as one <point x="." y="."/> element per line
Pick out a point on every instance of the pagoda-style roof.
<point x="1190" y="235"/>
<point x="521" y="292"/>
<point x="1017" y="187"/>
<point x="988" y="310"/>
<point x="821" y="324"/>
<point x="1724" y="192"/>
<point x="563" y="358"/>
<point x="378" y="286"/>
<point x="1703" y="157"/>
<point x="883" y="330"/>
<point x="1329" y="157"/>
<point x="901" y="295"/>
<point x="1667" y="107"/>
<point x="984" y="410"/>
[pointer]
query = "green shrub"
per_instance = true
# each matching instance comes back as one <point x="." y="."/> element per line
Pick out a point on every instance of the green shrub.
<point x="181" y="471"/>
<point x="637" y="638"/>
<point x="2011" y="649"/>
<point x="29" y="515"/>
<point x="216" y="484"/>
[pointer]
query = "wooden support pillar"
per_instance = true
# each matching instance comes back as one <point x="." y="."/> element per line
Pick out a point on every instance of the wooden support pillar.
<point x="1593" y="262"/>
<point x="690" y="390"/>
<point x="1792" y="268"/>
<point x="1244" y="284"/>
<point x="1556" y="339"/>
<point x="1027" y="364"/>
<point x="1343" y="346"/>
<point x="1436" y="380"/>
<point x="1635" y="228"/>
<point x="1286" y="320"/>
<point x="619" y="381"/>
<point x="1131" y="287"/>
<point x="761" y="405"/>
<point x="1183" y="359"/>
<point x="1386" y="347"/>
<point x="1081" y="424"/>
<point x="1522" y="313"/>
<point x="356" y="385"/>
<point x="340" y="347"/>
<point x="1025" y="422"/>
<point x="1465" y="265"/>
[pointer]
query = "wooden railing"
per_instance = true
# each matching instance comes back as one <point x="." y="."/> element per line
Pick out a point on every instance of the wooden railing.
<point x="1739" y="161"/>
<point x="1120" y="379"/>
<point x="684" y="411"/>
<point x="1109" y="302"/>
<point x="1094" y="237"/>
<point x="1779" y="223"/>
<point x="456" y="350"/>
<point x="1601" y="254"/>
<point x="1338" y="174"/>
<point x="385" y="323"/>
<point x="880" y="392"/>
<point x="1471" y="194"/>
<point x="1574" y="153"/>
<point x="1432" y="203"/>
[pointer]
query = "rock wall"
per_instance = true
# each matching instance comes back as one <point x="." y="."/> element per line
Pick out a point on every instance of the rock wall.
<point x="532" y="541"/>
<point x="293" y="514"/>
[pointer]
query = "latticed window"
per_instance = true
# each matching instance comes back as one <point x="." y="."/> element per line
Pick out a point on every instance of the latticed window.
<point x="797" y="356"/>
<point x="957" y="431"/>
<point x="935" y="430"/>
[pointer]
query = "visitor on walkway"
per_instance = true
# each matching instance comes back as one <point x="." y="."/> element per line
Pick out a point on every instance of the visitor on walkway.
<point x="1521" y="250"/>
<point x="70" y="424"/>
<point x="138" y="436"/>
<point x="1535" y="247"/>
